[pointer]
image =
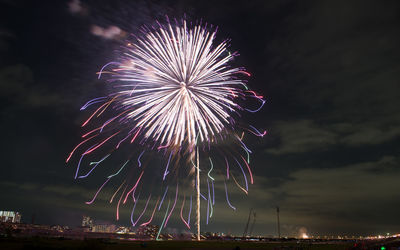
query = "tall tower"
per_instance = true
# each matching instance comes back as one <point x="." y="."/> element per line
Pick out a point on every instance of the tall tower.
<point x="279" y="225"/>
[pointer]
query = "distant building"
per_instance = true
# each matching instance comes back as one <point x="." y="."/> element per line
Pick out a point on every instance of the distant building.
<point x="10" y="216"/>
<point x="122" y="230"/>
<point x="59" y="228"/>
<point x="104" y="228"/>
<point x="87" y="222"/>
<point x="147" y="231"/>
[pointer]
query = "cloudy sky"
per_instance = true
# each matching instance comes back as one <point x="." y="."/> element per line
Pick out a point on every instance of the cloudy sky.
<point x="330" y="73"/>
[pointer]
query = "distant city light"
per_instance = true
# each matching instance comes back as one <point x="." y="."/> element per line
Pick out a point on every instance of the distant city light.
<point x="304" y="236"/>
<point x="10" y="216"/>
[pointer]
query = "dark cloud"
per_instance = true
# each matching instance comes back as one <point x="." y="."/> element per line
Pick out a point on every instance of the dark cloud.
<point x="111" y="32"/>
<point x="301" y="136"/>
<point x="76" y="7"/>
<point x="6" y="38"/>
<point x="342" y="197"/>
<point x="335" y="106"/>
<point x="17" y="86"/>
<point x="337" y="86"/>
<point x="339" y="61"/>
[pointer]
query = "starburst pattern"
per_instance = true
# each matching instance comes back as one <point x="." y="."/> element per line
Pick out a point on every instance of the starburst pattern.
<point x="171" y="87"/>
<point x="177" y="85"/>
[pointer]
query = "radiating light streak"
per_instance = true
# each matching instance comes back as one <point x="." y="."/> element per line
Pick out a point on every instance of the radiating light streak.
<point x="107" y="104"/>
<point x="163" y="198"/>
<point x="134" y="187"/>
<point x="163" y="146"/>
<point x="122" y="140"/>
<point x="244" y="174"/>
<point x="257" y="132"/>
<point x="244" y="145"/>
<point x="70" y="154"/>
<point x="244" y="85"/>
<point x="138" y="160"/>
<point x="208" y="202"/>
<point x="133" y="210"/>
<point x="201" y="195"/>
<point x="112" y="197"/>
<point x="195" y="167"/>
<point x="172" y="209"/>
<point x="90" y="117"/>
<point x="248" y="168"/>
<point x="259" y="108"/>
<point x="133" y="196"/>
<point x="227" y="169"/>
<point x="77" y="168"/>
<point x="93" y="101"/>
<point x="190" y="210"/>
<point x="212" y="166"/>
<point x="96" y="164"/>
<point x="119" y="202"/>
<point x="101" y="71"/>
<point x="248" y="155"/>
<point x="88" y="133"/>
<point x="106" y="123"/>
<point x="91" y="104"/>
<point x="211" y="206"/>
<point x="255" y="94"/>
<point x="183" y="204"/>
<point x="110" y="176"/>
<point x="227" y="199"/>
<point x="99" y="145"/>
<point x="241" y="188"/>
<point x="244" y="72"/>
<point x="213" y="198"/>
<point x="90" y="202"/>
<point x="112" y="119"/>
<point x="134" y="137"/>
<point x="80" y="160"/>
<point x="162" y="224"/>
<point x="152" y="215"/>
<point x="166" y="168"/>
<point x="144" y="210"/>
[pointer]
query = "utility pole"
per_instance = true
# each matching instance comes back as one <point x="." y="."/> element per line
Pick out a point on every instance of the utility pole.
<point x="247" y="224"/>
<point x="33" y="218"/>
<point x="198" y="194"/>
<point x="279" y="225"/>
<point x="252" y="225"/>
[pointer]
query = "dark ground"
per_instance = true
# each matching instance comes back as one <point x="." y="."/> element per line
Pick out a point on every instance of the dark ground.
<point x="46" y="243"/>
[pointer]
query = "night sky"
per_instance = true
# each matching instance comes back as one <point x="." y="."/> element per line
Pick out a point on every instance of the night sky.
<point x="330" y="72"/>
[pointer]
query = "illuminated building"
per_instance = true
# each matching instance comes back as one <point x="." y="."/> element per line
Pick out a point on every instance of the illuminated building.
<point x="10" y="216"/>
<point x="87" y="222"/>
<point x="105" y="228"/>
<point x="147" y="231"/>
<point x="122" y="230"/>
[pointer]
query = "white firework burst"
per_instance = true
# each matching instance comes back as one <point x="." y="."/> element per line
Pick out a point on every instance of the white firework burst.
<point x="173" y="86"/>
<point x="178" y="85"/>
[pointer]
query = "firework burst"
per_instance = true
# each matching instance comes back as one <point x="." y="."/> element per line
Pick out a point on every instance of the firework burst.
<point x="173" y="89"/>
